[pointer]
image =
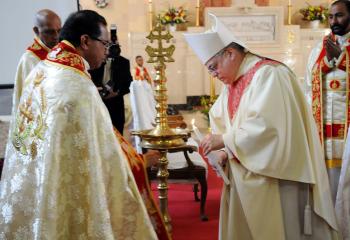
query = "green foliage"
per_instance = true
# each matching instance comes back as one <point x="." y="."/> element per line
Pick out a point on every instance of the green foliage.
<point x="206" y="103"/>
<point x="174" y="16"/>
<point x="312" y="13"/>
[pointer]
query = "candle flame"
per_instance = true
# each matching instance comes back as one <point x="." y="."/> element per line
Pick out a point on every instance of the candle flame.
<point x="193" y="121"/>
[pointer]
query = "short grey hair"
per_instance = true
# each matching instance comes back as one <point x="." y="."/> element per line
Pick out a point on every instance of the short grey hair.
<point x="231" y="45"/>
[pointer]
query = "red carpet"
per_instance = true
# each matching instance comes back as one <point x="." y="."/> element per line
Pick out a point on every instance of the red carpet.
<point x="184" y="211"/>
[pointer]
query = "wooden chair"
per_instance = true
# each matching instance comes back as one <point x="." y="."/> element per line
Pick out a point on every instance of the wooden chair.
<point x="192" y="173"/>
<point x="143" y="109"/>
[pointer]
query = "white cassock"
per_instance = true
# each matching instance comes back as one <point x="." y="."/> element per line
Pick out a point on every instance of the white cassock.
<point x="65" y="175"/>
<point x="144" y="112"/>
<point x="280" y="161"/>
<point x="334" y="109"/>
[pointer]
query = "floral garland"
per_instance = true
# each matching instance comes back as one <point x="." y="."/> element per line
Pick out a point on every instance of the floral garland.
<point x="101" y="3"/>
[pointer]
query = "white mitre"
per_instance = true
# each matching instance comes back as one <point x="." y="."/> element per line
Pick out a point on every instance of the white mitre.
<point x="209" y="43"/>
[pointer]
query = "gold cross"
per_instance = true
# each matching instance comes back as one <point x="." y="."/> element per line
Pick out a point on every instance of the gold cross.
<point x="160" y="54"/>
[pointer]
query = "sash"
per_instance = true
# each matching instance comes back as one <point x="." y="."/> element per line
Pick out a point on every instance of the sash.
<point x="236" y="90"/>
<point x="319" y="69"/>
<point x="65" y="54"/>
<point x="39" y="49"/>
<point x="137" y="165"/>
<point x="137" y="73"/>
<point x="145" y="76"/>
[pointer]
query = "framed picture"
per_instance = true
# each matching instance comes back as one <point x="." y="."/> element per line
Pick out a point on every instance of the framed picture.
<point x="256" y="26"/>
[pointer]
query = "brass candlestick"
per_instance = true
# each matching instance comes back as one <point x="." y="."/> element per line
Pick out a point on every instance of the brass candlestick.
<point x="212" y="89"/>
<point x="197" y="13"/>
<point x="162" y="137"/>
<point x="289" y="14"/>
<point x="150" y="14"/>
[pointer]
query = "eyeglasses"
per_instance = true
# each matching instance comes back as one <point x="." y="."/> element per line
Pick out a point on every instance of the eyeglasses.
<point x="105" y="43"/>
<point x="212" y="68"/>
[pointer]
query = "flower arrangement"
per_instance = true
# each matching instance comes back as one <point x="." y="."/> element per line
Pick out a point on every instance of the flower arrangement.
<point x="174" y="16"/>
<point x="312" y="13"/>
<point x="101" y="3"/>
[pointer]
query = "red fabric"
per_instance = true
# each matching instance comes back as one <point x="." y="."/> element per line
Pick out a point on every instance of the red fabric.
<point x="334" y="130"/>
<point x="39" y="50"/>
<point x="137" y="166"/>
<point x="66" y="55"/>
<point x="318" y="71"/>
<point x="236" y="90"/>
<point x="145" y="75"/>
<point x="184" y="211"/>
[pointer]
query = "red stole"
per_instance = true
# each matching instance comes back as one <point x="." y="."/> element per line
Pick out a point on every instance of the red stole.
<point x="38" y="49"/>
<point x="319" y="69"/>
<point x="236" y="90"/>
<point x="65" y="54"/>
<point x="138" y="75"/>
<point x="137" y="165"/>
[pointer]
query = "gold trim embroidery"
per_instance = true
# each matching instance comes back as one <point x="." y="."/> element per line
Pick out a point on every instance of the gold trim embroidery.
<point x="333" y="163"/>
<point x="29" y="126"/>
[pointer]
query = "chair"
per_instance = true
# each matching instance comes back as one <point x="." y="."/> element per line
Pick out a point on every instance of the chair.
<point x="184" y="166"/>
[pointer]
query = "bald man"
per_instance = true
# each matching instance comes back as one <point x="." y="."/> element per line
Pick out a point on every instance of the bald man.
<point x="47" y="26"/>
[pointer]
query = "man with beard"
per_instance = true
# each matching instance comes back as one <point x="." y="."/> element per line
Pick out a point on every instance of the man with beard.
<point x="328" y="87"/>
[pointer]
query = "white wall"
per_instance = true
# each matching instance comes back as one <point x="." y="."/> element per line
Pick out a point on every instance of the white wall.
<point x="16" y="23"/>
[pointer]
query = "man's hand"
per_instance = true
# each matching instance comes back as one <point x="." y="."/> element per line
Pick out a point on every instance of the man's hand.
<point x="111" y="94"/>
<point x="152" y="157"/>
<point x="212" y="142"/>
<point x="333" y="49"/>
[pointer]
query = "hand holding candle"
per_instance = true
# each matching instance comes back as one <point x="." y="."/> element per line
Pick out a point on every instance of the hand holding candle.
<point x="213" y="158"/>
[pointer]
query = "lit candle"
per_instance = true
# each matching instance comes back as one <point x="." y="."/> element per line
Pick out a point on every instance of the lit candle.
<point x="196" y="131"/>
<point x="150" y="5"/>
<point x="198" y="3"/>
<point x="289" y="2"/>
<point x="212" y="88"/>
<point x="212" y="158"/>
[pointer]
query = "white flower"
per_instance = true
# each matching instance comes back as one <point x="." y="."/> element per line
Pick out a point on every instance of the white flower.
<point x="101" y="3"/>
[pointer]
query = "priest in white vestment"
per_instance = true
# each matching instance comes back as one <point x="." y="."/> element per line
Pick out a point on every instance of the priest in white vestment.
<point x="327" y="85"/>
<point x="264" y="133"/>
<point x="47" y="26"/>
<point x="65" y="175"/>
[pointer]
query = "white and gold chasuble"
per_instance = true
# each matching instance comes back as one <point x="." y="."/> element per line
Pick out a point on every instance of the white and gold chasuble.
<point x="65" y="175"/>
<point x="327" y="85"/>
<point x="32" y="56"/>
<point x="275" y="160"/>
